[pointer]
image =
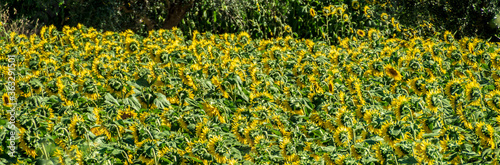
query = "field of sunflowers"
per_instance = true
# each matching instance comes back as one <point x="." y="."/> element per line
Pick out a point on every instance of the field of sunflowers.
<point x="117" y="98"/>
<point x="379" y="96"/>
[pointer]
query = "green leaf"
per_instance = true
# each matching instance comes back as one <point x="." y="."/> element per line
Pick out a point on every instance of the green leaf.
<point x="116" y="152"/>
<point x="110" y="100"/>
<point x="410" y="160"/>
<point x="132" y="102"/>
<point x="434" y="133"/>
<point x="161" y="101"/>
<point x="195" y="159"/>
<point x="44" y="162"/>
<point x="374" y="140"/>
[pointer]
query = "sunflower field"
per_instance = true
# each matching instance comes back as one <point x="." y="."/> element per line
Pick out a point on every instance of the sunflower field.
<point x="364" y="90"/>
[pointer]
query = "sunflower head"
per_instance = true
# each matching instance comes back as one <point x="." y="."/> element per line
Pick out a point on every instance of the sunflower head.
<point x="361" y="33"/>
<point x="312" y="12"/>
<point x="345" y="18"/>
<point x="6" y="100"/>
<point x="473" y="91"/>
<point x="493" y="100"/>
<point x="384" y="17"/>
<point x="392" y="72"/>
<point x="355" y="4"/>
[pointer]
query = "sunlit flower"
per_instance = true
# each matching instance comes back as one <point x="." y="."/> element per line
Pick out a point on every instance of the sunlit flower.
<point x="312" y="12"/>
<point x="392" y="72"/>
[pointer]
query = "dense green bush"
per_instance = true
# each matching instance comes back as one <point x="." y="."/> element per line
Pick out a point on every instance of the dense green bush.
<point x="319" y="19"/>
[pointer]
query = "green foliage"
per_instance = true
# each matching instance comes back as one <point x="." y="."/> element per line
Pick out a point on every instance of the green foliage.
<point x="318" y="19"/>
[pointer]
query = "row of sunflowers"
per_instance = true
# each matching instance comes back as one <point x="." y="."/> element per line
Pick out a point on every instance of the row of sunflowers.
<point x="118" y="98"/>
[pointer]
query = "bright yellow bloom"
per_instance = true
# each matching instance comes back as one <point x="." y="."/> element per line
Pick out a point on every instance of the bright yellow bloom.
<point x="361" y="33"/>
<point x="312" y="12"/>
<point x="384" y="17"/>
<point x="392" y="72"/>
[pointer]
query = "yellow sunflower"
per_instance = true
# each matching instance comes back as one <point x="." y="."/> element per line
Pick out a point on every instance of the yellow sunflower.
<point x="312" y="12"/>
<point x="345" y="17"/>
<point x="398" y="104"/>
<point x="355" y="4"/>
<point x="212" y="146"/>
<point x="473" y="91"/>
<point x="361" y="33"/>
<point x="454" y="83"/>
<point x="430" y="100"/>
<point x="372" y="34"/>
<point x="366" y="11"/>
<point x="126" y="113"/>
<point x="493" y="100"/>
<point x="6" y="100"/>
<point x="392" y="72"/>
<point x="343" y="136"/>
<point x="384" y="17"/>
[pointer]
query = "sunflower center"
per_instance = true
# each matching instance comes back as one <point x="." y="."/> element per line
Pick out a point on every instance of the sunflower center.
<point x="393" y="71"/>
<point x="6" y="100"/>
<point x="125" y="116"/>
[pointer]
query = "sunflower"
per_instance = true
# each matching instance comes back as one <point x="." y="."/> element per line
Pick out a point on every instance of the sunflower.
<point x="212" y="145"/>
<point x="343" y="136"/>
<point x="453" y="87"/>
<point x="361" y="33"/>
<point x="6" y="100"/>
<point x="23" y="145"/>
<point x="398" y="103"/>
<point x="448" y="37"/>
<point x="433" y="99"/>
<point x="425" y="152"/>
<point x="473" y="91"/>
<point x="354" y="85"/>
<point x="495" y="60"/>
<point x="125" y="114"/>
<point x="377" y="67"/>
<point x="366" y="10"/>
<point x="355" y="4"/>
<point x="485" y="132"/>
<point x="312" y="12"/>
<point x="384" y="17"/>
<point x="345" y="18"/>
<point x="327" y="11"/>
<point x="373" y="34"/>
<point x="244" y="38"/>
<point x="392" y="72"/>
<point x="73" y="124"/>
<point x="493" y="100"/>
<point x="132" y="45"/>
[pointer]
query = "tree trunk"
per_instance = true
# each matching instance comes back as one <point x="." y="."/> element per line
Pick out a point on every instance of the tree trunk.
<point x="175" y="14"/>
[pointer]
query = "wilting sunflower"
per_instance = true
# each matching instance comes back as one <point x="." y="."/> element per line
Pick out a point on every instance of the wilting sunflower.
<point x="432" y="100"/>
<point x="392" y="72"/>
<point x="473" y="91"/>
<point x="493" y="100"/>
<point x="485" y="132"/>
<point x="448" y="37"/>
<point x="398" y="105"/>
<point x="212" y="146"/>
<point x="126" y="113"/>
<point x="425" y="151"/>
<point x="453" y="87"/>
<point x="343" y="136"/>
